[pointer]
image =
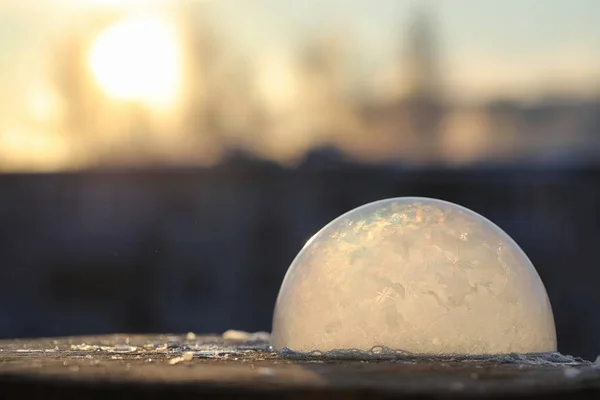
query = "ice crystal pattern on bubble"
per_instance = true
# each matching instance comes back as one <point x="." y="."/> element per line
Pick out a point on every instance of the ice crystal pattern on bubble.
<point x="417" y="275"/>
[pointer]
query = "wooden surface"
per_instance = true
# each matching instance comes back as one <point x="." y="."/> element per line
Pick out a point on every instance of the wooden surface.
<point x="172" y="366"/>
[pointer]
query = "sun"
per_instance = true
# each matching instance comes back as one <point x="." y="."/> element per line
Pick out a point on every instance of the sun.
<point x="138" y="59"/>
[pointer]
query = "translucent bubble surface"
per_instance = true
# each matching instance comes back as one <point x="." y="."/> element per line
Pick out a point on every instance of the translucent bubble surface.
<point x="417" y="275"/>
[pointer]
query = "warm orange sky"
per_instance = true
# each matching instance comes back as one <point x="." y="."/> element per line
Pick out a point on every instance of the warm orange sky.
<point x="523" y="49"/>
<point x="516" y="46"/>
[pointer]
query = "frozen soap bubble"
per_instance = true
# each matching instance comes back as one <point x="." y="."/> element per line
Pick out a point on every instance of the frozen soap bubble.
<point x="413" y="274"/>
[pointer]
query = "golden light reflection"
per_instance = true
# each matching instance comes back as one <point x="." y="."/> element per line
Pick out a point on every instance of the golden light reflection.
<point x="138" y="59"/>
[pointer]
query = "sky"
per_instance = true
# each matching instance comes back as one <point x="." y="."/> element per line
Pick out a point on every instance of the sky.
<point x="487" y="47"/>
<point x="484" y="45"/>
<point x="521" y="49"/>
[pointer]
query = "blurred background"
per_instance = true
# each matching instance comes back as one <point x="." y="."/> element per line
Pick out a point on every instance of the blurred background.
<point x="162" y="162"/>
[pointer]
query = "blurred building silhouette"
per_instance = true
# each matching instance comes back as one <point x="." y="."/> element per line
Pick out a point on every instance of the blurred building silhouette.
<point x="423" y="104"/>
<point x="411" y="119"/>
<point x="420" y="125"/>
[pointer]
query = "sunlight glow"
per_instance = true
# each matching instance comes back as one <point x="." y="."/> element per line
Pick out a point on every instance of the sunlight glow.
<point x="138" y="59"/>
<point x="278" y="83"/>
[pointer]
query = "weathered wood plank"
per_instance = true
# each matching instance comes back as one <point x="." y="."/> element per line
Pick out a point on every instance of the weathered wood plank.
<point x="176" y="366"/>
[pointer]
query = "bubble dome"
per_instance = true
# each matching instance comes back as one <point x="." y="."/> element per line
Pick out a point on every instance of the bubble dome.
<point x="419" y="275"/>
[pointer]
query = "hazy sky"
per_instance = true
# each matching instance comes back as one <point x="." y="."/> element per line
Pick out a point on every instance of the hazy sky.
<point x="488" y="48"/>
<point x="485" y="45"/>
<point x="514" y="27"/>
